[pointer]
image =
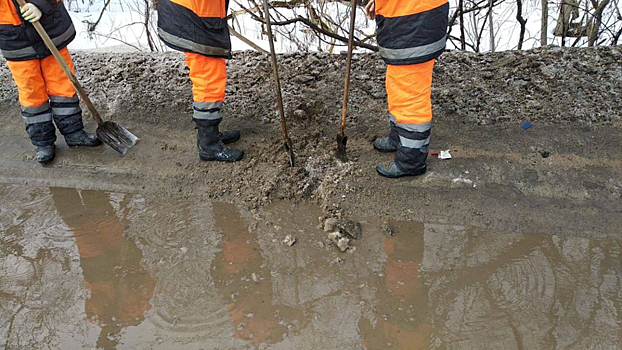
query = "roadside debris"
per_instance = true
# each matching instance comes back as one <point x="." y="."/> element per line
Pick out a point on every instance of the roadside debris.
<point x="330" y="224"/>
<point x="441" y="155"/>
<point x="347" y="228"/>
<point x="336" y="262"/>
<point x="545" y="154"/>
<point x="342" y="242"/>
<point x="387" y="229"/>
<point x="464" y="180"/>
<point x="350" y="228"/>
<point x="526" y="125"/>
<point x="289" y="240"/>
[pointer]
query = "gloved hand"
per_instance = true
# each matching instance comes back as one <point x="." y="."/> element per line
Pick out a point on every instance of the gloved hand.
<point x="31" y="13"/>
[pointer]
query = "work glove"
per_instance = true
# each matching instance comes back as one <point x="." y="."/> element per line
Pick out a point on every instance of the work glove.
<point x="31" y="13"/>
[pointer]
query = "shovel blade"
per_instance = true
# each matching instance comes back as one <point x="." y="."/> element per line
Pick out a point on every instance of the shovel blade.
<point x="116" y="136"/>
<point x="341" y="148"/>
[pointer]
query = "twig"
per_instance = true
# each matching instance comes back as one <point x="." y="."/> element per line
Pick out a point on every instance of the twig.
<point x="246" y="40"/>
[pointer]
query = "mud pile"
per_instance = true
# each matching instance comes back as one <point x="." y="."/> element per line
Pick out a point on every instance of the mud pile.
<point x="550" y="84"/>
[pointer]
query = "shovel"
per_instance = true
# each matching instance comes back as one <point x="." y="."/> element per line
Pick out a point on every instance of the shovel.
<point x="110" y="133"/>
<point x="287" y="141"/>
<point x="342" y="139"/>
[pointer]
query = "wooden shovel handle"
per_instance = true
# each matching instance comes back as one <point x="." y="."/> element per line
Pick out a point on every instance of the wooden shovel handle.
<point x="74" y="81"/>
<point x="346" y="88"/>
<point x="275" y="70"/>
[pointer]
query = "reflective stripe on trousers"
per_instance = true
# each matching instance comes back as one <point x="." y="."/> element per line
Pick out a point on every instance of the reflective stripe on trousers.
<point x="67" y="113"/>
<point x="209" y="79"/>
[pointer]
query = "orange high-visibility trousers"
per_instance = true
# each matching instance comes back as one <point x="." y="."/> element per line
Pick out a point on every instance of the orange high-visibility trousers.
<point x="409" y="89"/>
<point x="38" y="80"/>
<point x="209" y="79"/>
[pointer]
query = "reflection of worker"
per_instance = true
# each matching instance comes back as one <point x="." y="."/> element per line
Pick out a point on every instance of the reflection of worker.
<point x="252" y="311"/>
<point x="252" y="314"/>
<point x="45" y="92"/>
<point x="401" y="317"/>
<point x="411" y="34"/>
<point x="120" y="287"/>
<point x="199" y="29"/>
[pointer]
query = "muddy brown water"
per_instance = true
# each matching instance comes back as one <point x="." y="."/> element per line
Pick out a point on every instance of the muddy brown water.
<point x="88" y="269"/>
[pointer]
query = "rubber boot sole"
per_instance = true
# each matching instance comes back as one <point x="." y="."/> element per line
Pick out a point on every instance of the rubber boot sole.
<point x="83" y="145"/>
<point x="213" y="158"/>
<point x="395" y="176"/>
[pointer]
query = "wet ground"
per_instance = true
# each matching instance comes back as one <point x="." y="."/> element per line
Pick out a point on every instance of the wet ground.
<point x="85" y="269"/>
<point x="513" y="244"/>
<point x="562" y="176"/>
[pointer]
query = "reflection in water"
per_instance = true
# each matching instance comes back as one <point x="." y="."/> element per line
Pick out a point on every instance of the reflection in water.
<point x="120" y="287"/>
<point x="452" y="287"/>
<point x="223" y="286"/>
<point x="401" y="319"/>
<point x="242" y="278"/>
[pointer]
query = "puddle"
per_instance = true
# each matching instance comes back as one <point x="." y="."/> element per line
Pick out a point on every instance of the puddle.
<point x="119" y="287"/>
<point x="244" y="280"/>
<point x="85" y="269"/>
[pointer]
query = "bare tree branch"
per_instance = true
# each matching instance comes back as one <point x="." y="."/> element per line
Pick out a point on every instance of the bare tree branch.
<point x="246" y="40"/>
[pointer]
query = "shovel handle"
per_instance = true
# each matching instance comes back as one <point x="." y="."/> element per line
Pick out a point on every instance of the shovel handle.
<point x="74" y="81"/>
<point x="346" y="88"/>
<point x="275" y="69"/>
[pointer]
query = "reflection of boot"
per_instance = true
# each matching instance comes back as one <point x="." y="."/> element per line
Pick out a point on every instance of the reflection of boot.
<point x="388" y="144"/>
<point x="82" y="138"/>
<point x="211" y="146"/>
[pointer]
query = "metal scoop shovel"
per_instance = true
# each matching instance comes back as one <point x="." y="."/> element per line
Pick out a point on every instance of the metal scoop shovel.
<point x="342" y="139"/>
<point x="112" y="134"/>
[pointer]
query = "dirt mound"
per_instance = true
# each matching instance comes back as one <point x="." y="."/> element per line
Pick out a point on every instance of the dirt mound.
<point x="551" y="84"/>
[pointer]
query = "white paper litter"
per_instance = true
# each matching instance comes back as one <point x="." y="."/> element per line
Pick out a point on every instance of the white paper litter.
<point x="444" y="155"/>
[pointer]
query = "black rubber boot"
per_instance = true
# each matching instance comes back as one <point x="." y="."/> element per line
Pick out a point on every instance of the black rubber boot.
<point x="42" y="135"/>
<point x="45" y="154"/>
<point x="82" y="138"/>
<point x="385" y="145"/>
<point x="388" y="144"/>
<point x="394" y="171"/>
<point x="211" y="146"/>
<point x="229" y="136"/>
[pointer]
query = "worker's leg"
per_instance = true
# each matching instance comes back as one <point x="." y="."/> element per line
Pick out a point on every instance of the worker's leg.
<point x="65" y="103"/>
<point x="34" y="101"/>
<point x="410" y="106"/>
<point x="209" y="79"/>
